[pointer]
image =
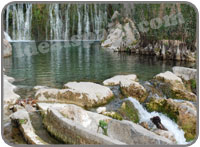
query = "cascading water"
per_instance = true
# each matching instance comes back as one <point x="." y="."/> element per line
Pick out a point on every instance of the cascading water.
<point x="168" y="123"/>
<point x="86" y="22"/>
<point x="21" y="22"/>
<point x="79" y="23"/>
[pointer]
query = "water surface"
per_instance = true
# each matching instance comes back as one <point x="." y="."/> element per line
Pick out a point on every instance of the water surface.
<point x="60" y="62"/>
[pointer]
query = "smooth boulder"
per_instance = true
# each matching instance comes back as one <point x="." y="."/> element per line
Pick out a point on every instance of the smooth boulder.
<point x="133" y="89"/>
<point x="117" y="79"/>
<point x="185" y="73"/>
<point x="132" y="133"/>
<point x="174" y="87"/>
<point x="85" y="94"/>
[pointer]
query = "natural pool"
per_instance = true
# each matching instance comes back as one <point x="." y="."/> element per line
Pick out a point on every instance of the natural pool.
<point x="64" y="61"/>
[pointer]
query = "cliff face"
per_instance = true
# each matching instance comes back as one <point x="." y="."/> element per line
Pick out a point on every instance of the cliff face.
<point x="123" y="36"/>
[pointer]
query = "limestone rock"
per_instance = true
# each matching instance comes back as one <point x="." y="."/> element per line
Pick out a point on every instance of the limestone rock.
<point x="7" y="48"/>
<point x="9" y="97"/>
<point x="85" y="94"/>
<point x="166" y="134"/>
<point x="132" y="133"/>
<point x="117" y="79"/>
<point x="121" y="37"/>
<point x="74" y="125"/>
<point x="172" y="79"/>
<point x="133" y="89"/>
<point x="21" y="116"/>
<point x="174" y="87"/>
<point x="101" y="110"/>
<point x="185" y="73"/>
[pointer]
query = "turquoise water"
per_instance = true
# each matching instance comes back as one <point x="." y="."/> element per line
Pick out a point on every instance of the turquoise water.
<point x="61" y="62"/>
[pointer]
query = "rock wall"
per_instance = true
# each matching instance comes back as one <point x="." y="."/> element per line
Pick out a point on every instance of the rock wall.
<point x="124" y="36"/>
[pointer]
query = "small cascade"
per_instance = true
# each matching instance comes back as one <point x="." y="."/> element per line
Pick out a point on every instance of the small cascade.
<point x="168" y="123"/>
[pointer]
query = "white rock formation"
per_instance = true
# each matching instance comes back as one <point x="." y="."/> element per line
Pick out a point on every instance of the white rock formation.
<point x="119" y="78"/>
<point x="185" y="73"/>
<point x="85" y="94"/>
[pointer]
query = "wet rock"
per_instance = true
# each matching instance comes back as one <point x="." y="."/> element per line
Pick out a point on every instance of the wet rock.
<point x="132" y="133"/>
<point x="128" y="112"/>
<point x="117" y="79"/>
<point x="184" y="113"/>
<point x="165" y="134"/>
<point x="157" y="121"/>
<point x="145" y="125"/>
<point x="85" y="94"/>
<point x="133" y="89"/>
<point x="39" y="87"/>
<point x="21" y="117"/>
<point x="7" y="48"/>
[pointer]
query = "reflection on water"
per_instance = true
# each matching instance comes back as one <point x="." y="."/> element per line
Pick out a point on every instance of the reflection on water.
<point x="56" y="63"/>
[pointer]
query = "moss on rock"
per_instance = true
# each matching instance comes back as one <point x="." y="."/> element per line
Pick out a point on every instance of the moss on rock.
<point x="129" y="112"/>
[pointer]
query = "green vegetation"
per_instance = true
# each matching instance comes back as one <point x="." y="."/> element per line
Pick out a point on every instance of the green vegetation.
<point x="104" y="126"/>
<point x="129" y="112"/>
<point x="114" y="116"/>
<point x="163" y="107"/>
<point x="22" y="121"/>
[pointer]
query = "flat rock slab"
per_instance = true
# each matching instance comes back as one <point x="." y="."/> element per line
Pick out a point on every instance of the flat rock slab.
<point x="117" y="79"/>
<point x="185" y="73"/>
<point x="64" y="123"/>
<point x="84" y="94"/>
<point x="87" y="119"/>
<point x="21" y="116"/>
<point x="132" y="133"/>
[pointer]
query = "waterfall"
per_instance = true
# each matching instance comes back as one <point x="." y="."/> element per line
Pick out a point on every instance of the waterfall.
<point x="27" y="27"/>
<point x="66" y="35"/>
<point x="21" y="22"/>
<point x="79" y="23"/>
<point x="87" y="23"/>
<point x="168" y="123"/>
<point x="7" y="17"/>
<point x="63" y="21"/>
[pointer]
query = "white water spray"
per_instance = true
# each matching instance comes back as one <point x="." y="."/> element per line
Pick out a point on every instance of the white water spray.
<point x="168" y="123"/>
